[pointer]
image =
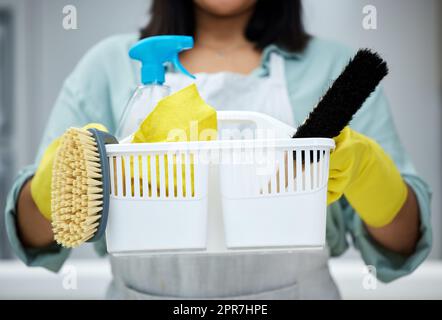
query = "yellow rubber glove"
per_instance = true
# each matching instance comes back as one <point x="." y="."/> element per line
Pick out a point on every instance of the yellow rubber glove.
<point x="362" y="172"/>
<point x="41" y="182"/>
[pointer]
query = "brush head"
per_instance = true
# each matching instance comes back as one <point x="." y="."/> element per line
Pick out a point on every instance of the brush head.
<point x="345" y="97"/>
<point x="77" y="188"/>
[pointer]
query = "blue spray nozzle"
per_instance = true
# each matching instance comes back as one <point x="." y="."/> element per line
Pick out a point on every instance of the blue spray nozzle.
<point x="154" y="52"/>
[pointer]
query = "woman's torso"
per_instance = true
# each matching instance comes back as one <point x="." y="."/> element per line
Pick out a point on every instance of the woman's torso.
<point x="284" y="275"/>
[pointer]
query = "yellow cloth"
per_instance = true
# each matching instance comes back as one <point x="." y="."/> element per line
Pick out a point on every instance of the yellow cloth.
<point x="41" y="182"/>
<point x="182" y="116"/>
<point x="362" y="172"/>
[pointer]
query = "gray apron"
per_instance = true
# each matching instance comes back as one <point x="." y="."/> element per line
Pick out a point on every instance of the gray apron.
<point x="268" y="276"/>
<point x="301" y="274"/>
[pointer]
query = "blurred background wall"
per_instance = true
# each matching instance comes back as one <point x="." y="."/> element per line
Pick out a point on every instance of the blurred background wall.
<point x="37" y="54"/>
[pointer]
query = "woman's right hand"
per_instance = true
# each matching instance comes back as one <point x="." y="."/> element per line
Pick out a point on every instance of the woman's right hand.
<point x="41" y="182"/>
<point x="34" y="229"/>
<point x="34" y="203"/>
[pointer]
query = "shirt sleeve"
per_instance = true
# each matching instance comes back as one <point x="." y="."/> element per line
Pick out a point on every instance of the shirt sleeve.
<point x="375" y="120"/>
<point x="51" y="257"/>
<point x="83" y="99"/>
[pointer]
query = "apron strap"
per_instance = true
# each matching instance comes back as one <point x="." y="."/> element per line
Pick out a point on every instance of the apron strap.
<point x="277" y="67"/>
<point x="278" y="79"/>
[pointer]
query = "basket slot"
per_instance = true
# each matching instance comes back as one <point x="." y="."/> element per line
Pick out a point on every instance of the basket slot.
<point x="170" y="175"/>
<point x="127" y="176"/>
<point x="258" y="171"/>
<point x="240" y="170"/>
<point x="136" y="170"/>
<point x="153" y="179"/>
<point x="162" y="176"/>
<point x="256" y="181"/>
<point x="257" y="188"/>
<point x="112" y="175"/>
<point x="248" y="179"/>
<point x="188" y="176"/>
<point x="307" y="171"/>
<point x="326" y="165"/>
<point x="195" y="174"/>
<point x="315" y="183"/>
<point x="321" y="167"/>
<point x="298" y="170"/>
<point x="252" y="181"/>
<point x="263" y="184"/>
<point x="144" y="178"/>
<point x="179" y="175"/>
<point x="282" y="173"/>
<point x="192" y="175"/>
<point x="273" y="183"/>
<point x="254" y="170"/>
<point x="290" y="172"/>
<point x="119" y="178"/>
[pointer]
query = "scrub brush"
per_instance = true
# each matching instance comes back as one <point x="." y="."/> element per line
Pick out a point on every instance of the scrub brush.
<point x="80" y="187"/>
<point x="345" y="97"/>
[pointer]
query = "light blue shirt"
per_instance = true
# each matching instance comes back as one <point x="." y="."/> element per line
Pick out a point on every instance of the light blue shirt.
<point x="104" y="79"/>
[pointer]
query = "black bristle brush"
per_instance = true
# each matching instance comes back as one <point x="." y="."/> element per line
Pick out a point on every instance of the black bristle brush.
<point x="345" y="97"/>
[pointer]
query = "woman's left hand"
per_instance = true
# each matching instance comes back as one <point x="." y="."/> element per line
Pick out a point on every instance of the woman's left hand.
<point x="362" y="171"/>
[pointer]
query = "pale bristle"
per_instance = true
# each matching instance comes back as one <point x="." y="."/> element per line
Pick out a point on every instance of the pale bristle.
<point x="76" y="189"/>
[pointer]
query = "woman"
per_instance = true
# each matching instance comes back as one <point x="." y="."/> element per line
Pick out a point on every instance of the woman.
<point x="255" y="55"/>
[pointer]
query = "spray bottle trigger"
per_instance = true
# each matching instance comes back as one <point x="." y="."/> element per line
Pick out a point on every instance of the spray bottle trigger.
<point x="177" y="64"/>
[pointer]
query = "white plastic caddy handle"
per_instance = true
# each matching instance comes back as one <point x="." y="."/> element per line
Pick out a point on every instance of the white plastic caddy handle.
<point x="261" y="120"/>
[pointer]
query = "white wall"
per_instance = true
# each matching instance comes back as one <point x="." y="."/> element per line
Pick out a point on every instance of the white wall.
<point x="406" y="36"/>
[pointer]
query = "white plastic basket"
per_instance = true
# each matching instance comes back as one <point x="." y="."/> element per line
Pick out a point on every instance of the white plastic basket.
<point x="159" y="191"/>
<point x="159" y="201"/>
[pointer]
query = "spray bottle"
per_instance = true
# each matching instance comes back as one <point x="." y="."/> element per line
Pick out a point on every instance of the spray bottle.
<point x="153" y="53"/>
